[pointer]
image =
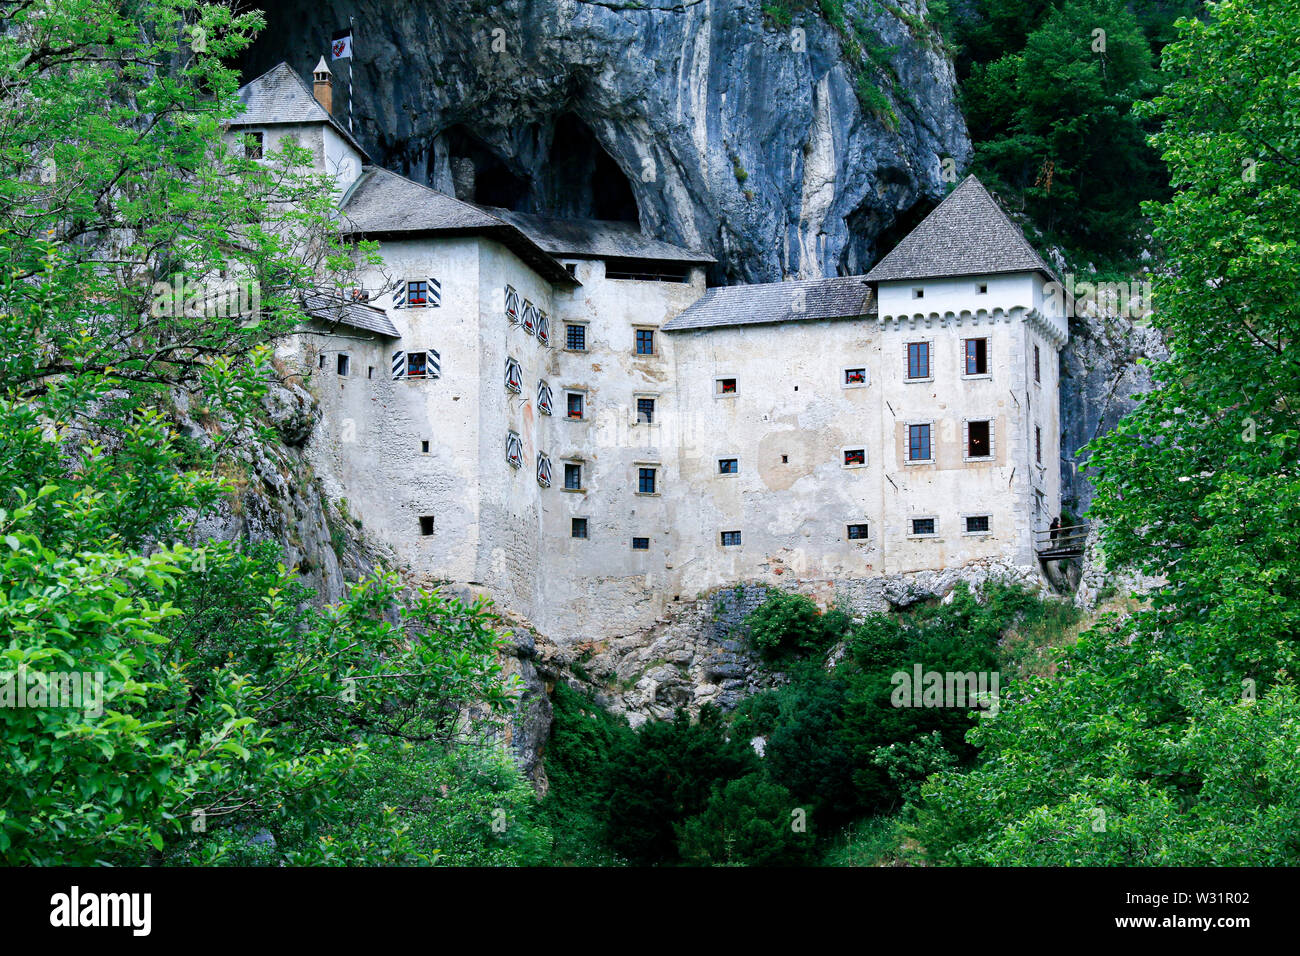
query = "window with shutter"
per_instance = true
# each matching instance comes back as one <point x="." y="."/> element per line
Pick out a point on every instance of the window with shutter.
<point x="545" y="401"/>
<point x="514" y="450"/>
<point x="514" y="376"/>
<point x="529" y="319"/>
<point x="543" y="328"/>
<point x="543" y="470"/>
<point x="512" y="304"/>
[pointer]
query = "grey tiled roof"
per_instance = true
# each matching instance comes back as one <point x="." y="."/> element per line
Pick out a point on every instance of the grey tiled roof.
<point x="597" y="239"/>
<point x="799" y="301"/>
<point x="382" y="203"/>
<point x="966" y="234"/>
<point x="356" y="314"/>
<point x="280" y="95"/>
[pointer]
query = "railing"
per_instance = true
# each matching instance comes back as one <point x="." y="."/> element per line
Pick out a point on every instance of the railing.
<point x="1055" y="544"/>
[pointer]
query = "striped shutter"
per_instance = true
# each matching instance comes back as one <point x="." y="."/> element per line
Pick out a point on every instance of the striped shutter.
<point x="433" y="363"/>
<point x="512" y="304"/>
<point x="514" y="376"/>
<point x="399" y="296"/>
<point x="543" y="328"/>
<point x="434" y="297"/>
<point x="544" y="470"/>
<point x="514" y="450"/>
<point x="399" y="365"/>
<point x="544" y="398"/>
<point x="530" y="317"/>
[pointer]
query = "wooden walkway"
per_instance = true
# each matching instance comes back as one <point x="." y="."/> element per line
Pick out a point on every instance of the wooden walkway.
<point x="1061" y="543"/>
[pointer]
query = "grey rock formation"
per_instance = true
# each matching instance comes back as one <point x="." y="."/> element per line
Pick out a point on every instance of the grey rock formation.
<point x="707" y="122"/>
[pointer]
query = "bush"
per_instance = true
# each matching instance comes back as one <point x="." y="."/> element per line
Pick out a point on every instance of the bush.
<point x="788" y="624"/>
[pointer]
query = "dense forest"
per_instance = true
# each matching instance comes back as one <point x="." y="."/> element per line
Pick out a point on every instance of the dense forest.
<point x="240" y="721"/>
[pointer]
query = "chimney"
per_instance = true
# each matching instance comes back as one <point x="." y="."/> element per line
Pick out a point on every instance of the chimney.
<point x="323" y="86"/>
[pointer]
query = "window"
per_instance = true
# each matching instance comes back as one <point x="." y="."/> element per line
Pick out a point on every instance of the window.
<point x="645" y="481"/>
<point x="572" y="477"/>
<point x="543" y="470"/>
<point x="977" y="356"/>
<point x="577" y="405"/>
<point x="645" y="411"/>
<point x="417" y="293"/>
<point x="725" y="386"/>
<point x="785" y="459"/>
<point x="543" y="328"/>
<point x="370" y="371"/>
<point x="545" y="401"/>
<point x="578" y="528"/>
<point x="571" y="268"/>
<point x="918" y="359"/>
<point x="918" y="293"/>
<point x="424" y="448"/>
<point x="254" y="145"/>
<point x="416" y="364"/>
<point x="981" y="288"/>
<point x="730" y="539"/>
<point x="979" y="439"/>
<point x="426" y="524"/>
<point x="575" y="337"/>
<point x="918" y="443"/>
<point x="728" y="466"/>
<point x="514" y="450"/>
<point x="344" y="364"/>
<point x="512" y="304"/>
<point x="645" y="341"/>
<point x="529" y="319"/>
<point x="1038" y="444"/>
<point x="321" y="360"/>
<point x="854" y="456"/>
<point x="640" y="544"/>
<point x="1038" y="369"/>
<point x="923" y="526"/>
<point x="977" y="524"/>
<point x="514" y="376"/>
<point x="855" y="376"/>
<point x="857" y="532"/>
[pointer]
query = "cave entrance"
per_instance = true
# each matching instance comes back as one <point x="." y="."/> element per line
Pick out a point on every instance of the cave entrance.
<point x="480" y="175"/>
<point x="581" y="180"/>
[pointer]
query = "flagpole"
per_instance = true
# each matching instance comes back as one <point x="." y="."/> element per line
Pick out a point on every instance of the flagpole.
<point x="353" y="52"/>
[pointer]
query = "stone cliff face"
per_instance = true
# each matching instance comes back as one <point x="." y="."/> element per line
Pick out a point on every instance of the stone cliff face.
<point x="707" y="123"/>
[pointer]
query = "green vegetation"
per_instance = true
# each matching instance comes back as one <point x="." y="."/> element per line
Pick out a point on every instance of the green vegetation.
<point x="839" y="757"/>
<point x="1172" y="737"/>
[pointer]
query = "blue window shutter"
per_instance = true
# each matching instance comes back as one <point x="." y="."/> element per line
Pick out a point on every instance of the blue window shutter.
<point x="435" y="293"/>
<point x="399" y="365"/>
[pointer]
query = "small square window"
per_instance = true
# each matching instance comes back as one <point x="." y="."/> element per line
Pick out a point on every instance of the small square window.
<point x="785" y="459"/>
<point x="981" y="288"/>
<point x="855" y="376"/>
<point x="918" y="359"/>
<point x="579" y="528"/>
<point x="321" y="361"/>
<point x="646" y="481"/>
<point x="918" y="443"/>
<point x="728" y="466"/>
<point x="573" y="477"/>
<point x="571" y="268"/>
<point x="730" y="539"/>
<point x="855" y="456"/>
<point x="922" y="526"/>
<point x="645" y="341"/>
<point x="640" y="544"/>
<point x="977" y="356"/>
<point x="977" y="524"/>
<point x="254" y="145"/>
<point x="857" y="532"/>
<point x="344" y="364"/>
<point x="577" y="405"/>
<point x="918" y="293"/>
<point x="424" y="448"/>
<point x="417" y="365"/>
<point x="426" y="525"/>
<point x="417" y="292"/>
<point x="575" y="337"/>
<point x="645" y="411"/>
<point x="725" y="386"/>
<point x="979" y="439"/>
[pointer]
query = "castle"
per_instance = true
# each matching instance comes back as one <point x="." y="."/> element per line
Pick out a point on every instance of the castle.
<point x="561" y="413"/>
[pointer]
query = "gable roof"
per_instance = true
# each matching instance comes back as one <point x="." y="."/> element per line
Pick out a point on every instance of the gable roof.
<point x="597" y="239"/>
<point x="356" y="314"/>
<point x="280" y="95"/>
<point x="382" y="203"/>
<point x="842" y="297"/>
<point x="966" y="234"/>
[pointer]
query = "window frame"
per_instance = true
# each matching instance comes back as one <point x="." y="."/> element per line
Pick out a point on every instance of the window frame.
<point x="734" y="459"/>
<point x="1038" y="365"/>
<point x="844" y="376"/>
<point x="911" y="526"/>
<point x="718" y="386"/>
<point x="545" y="398"/>
<point x="581" y="329"/>
<point x="846" y="450"/>
<point x="641" y="478"/>
<point x="514" y="375"/>
<point x="410" y="303"/>
<point x="432" y="525"/>
<point x="581" y="395"/>
<point x="965" y="524"/>
<point x="907" y="458"/>
<point x="929" y="360"/>
<point x="637" y="399"/>
<point x="965" y="439"/>
<point x="1038" y="445"/>
<point x="638" y="537"/>
<point x="543" y="469"/>
<point x="578" y="465"/>
<point x="514" y="449"/>
<point x="637" y="332"/>
<point x="738" y="543"/>
<point x="343" y="364"/>
<point x="858" y="539"/>
<point x="574" y="525"/>
<point x="988" y="357"/>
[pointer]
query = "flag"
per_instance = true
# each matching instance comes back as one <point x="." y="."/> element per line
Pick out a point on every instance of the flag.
<point x="341" y="45"/>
